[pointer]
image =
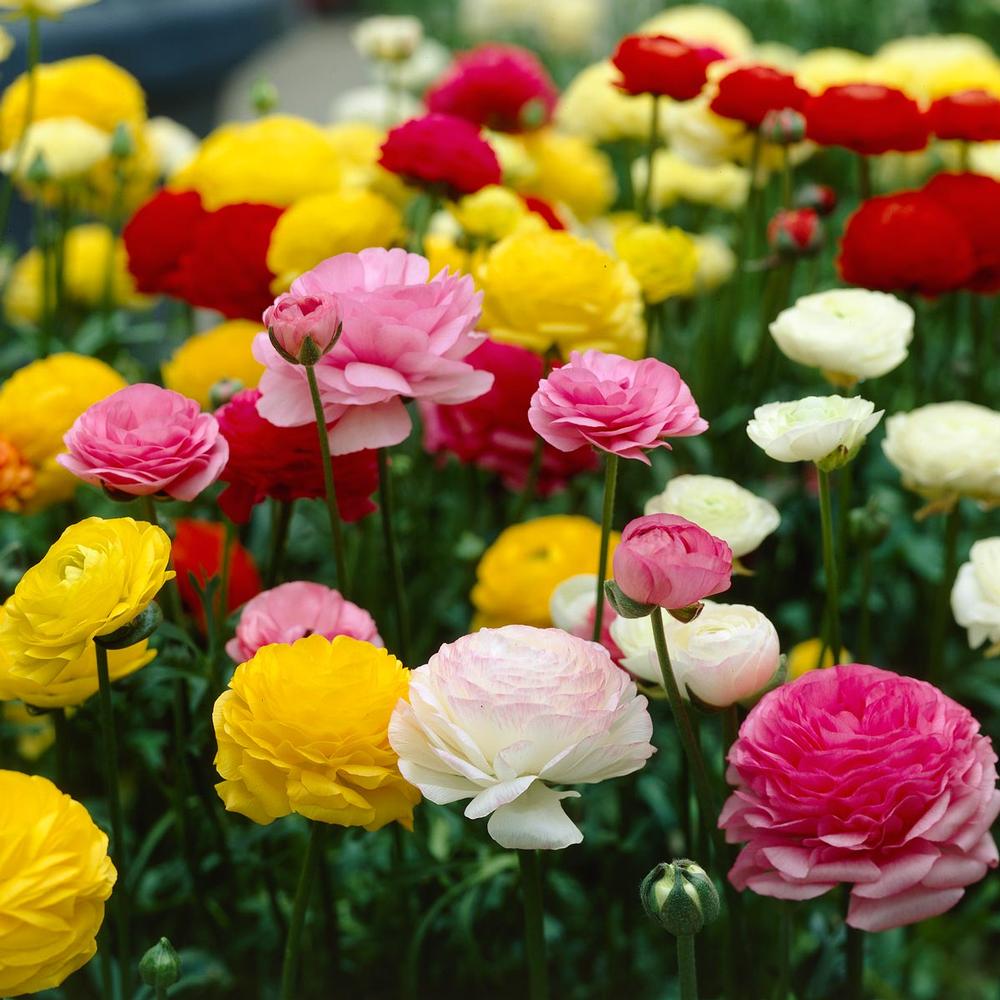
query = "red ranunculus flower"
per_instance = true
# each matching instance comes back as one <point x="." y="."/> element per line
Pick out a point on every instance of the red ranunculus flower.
<point x="502" y="87"/>
<point x="905" y="242"/>
<point x="795" y="232"/>
<point x="197" y="549"/>
<point x="975" y="201"/>
<point x="866" y="118"/>
<point x="158" y="239"/>
<point x="441" y="151"/>
<point x="748" y="93"/>
<point x="284" y="463"/>
<point x="970" y="115"/>
<point x="662" y="65"/>
<point x="493" y="433"/>
<point x="541" y="207"/>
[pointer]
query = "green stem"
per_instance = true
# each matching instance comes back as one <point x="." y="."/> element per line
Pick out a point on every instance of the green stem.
<point x="942" y="603"/>
<point x="119" y="898"/>
<point x="114" y="223"/>
<point x="225" y="573"/>
<point x="531" y="481"/>
<point x="784" y="949"/>
<point x="645" y="204"/>
<point x="534" y="931"/>
<point x="864" y="177"/>
<point x="686" y="967"/>
<point x="854" y="956"/>
<point x="607" y="516"/>
<point x="786" y="178"/>
<point x="336" y="530"/>
<point x="310" y="864"/>
<point x="280" y="522"/>
<point x="865" y="625"/>
<point x="392" y="554"/>
<point x="171" y="594"/>
<point x="830" y="564"/>
<point x="424" y="210"/>
<point x="63" y="750"/>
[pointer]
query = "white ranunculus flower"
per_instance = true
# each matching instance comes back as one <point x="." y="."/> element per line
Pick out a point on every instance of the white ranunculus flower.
<point x="503" y="714"/>
<point x="388" y="37"/>
<point x="716" y="262"/>
<point x="975" y="597"/>
<point x="821" y="429"/>
<point x="572" y="603"/>
<point x="418" y="72"/>
<point x="723" y="508"/>
<point x="44" y="8"/>
<point x="634" y="637"/>
<point x="850" y="333"/>
<point x="69" y="147"/>
<point x="947" y="450"/>
<point x="374" y="104"/>
<point x="173" y="144"/>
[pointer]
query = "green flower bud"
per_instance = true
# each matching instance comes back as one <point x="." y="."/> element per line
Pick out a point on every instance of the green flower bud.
<point x="263" y="96"/>
<point x="38" y="171"/>
<point x="122" y="143"/>
<point x="160" y="967"/>
<point x="141" y="627"/>
<point x="680" y="896"/>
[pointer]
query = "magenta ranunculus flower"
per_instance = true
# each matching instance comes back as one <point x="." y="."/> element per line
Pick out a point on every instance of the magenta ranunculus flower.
<point x="858" y="775"/>
<point x="294" y="317"/>
<point x="144" y="440"/>
<point x="620" y="406"/>
<point x="403" y="337"/>
<point x="665" y="559"/>
<point x="293" y="610"/>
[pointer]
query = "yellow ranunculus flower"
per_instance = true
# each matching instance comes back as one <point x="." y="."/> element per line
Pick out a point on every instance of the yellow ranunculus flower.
<point x="716" y="262"/>
<point x="664" y="259"/>
<point x="275" y="160"/>
<point x="442" y="251"/>
<point x="804" y="656"/>
<point x="518" y="573"/>
<point x="832" y="67"/>
<point x="324" y="225"/>
<point x="96" y="578"/>
<point x="359" y="145"/>
<point x="545" y="288"/>
<point x="702" y="24"/>
<point x="69" y="147"/>
<point x="570" y="171"/>
<point x="722" y="185"/>
<point x="56" y="877"/>
<point x="38" y="404"/>
<point x="492" y="213"/>
<point x="303" y="728"/>
<point x="224" y="352"/>
<point x="930" y="66"/>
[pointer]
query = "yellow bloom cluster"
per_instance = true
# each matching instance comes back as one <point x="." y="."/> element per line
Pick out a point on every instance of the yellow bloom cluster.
<point x="303" y="728"/>
<point x="594" y="108"/>
<point x="359" y="145"/>
<point x="664" y="259"/>
<point x="56" y="877"/>
<point x="518" y="573"/>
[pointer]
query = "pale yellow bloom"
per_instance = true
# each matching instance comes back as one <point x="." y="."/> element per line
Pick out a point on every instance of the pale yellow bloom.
<point x="490" y="214"/>
<point x="664" y="259"/>
<point x="44" y="8"/>
<point x="930" y="66"/>
<point x="723" y="185"/>
<point x="68" y="147"/>
<point x="702" y="24"/>
<point x="833" y="67"/>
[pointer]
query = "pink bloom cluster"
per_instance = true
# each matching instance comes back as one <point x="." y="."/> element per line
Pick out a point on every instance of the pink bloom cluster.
<point x="858" y="775"/>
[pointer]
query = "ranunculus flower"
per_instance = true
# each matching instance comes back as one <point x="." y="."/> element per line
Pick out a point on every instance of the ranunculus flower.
<point x="867" y="118"/>
<point x="388" y="38"/>
<point x="619" y="406"/>
<point x="905" y="242"/>
<point x="728" y="654"/>
<point x="285" y="463"/>
<point x="68" y="146"/>
<point x="403" y="336"/>
<point x="293" y="318"/>
<point x="500" y="716"/>
<point x="144" y="440"/>
<point x="862" y="776"/>
<point x="723" y="508"/>
<point x="968" y="116"/>
<point x="501" y="87"/>
<point x="662" y="65"/>
<point x="667" y="560"/>
<point x="441" y="152"/>
<point x="821" y="429"/>
<point x="849" y="333"/>
<point x="947" y="450"/>
<point x="975" y="597"/>
<point x="293" y="610"/>
<point x="749" y="92"/>
<point x="493" y="432"/>
<point x="96" y="578"/>
<point x="573" y="606"/>
<point x="57" y="876"/>
<point x="159" y="239"/>
<point x="330" y="702"/>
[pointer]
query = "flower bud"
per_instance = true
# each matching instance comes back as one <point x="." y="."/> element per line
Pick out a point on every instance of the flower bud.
<point x="795" y="232"/>
<point x="223" y="391"/>
<point x="160" y="967"/>
<point x="680" y="896"/>
<point x="303" y="328"/>
<point x="868" y="525"/>
<point x="141" y="627"/>
<point x="122" y="143"/>
<point x="263" y="96"/>
<point x="821" y="198"/>
<point x="38" y="172"/>
<point x="783" y="127"/>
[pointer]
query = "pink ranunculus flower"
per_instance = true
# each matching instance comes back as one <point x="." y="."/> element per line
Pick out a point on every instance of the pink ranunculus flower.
<point x="294" y="317"/>
<point x="403" y="337"/>
<point x="503" y="714"/>
<point x="668" y="560"/>
<point x="293" y="610"/>
<point x="620" y="406"/>
<point x="144" y="440"/>
<point x="862" y="776"/>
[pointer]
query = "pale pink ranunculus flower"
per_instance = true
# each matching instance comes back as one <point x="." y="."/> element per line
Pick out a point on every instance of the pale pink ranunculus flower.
<point x="293" y="610"/>
<point x="403" y="336"/>
<point x="503" y="714"/>
<point x="858" y="775"/>
<point x="144" y="440"/>
<point x="619" y="406"/>
<point x="293" y="317"/>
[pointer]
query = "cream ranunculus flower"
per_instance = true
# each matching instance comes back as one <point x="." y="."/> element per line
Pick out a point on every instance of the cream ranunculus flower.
<point x="722" y="185"/>
<point x="975" y="597"/>
<point x="723" y="508"/>
<point x="387" y="37"/>
<point x="716" y="262"/>
<point x="69" y="147"/>
<point x="850" y="333"/>
<point x="827" y="430"/>
<point x="502" y="715"/>
<point x="947" y="450"/>
<point x="702" y="24"/>
<point x="174" y="145"/>
<point x="44" y="8"/>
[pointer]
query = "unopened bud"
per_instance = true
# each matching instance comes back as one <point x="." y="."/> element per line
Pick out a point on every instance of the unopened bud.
<point x="868" y="525"/>
<point x="795" y="232"/>
<point x="782" y="127"/>
<point x="302" y="328"/>
<point x="160" y="967"/>
<point x="122" y="143"/>
<point x="680" y="897"/>
<point x="821" y="198"/>
<point x="263" y="96"/>
<point x="38" y="172"/>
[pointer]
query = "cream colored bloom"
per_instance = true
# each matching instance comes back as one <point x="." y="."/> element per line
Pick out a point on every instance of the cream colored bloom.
<point x="571" y="606"/>
<point x="723" y="185"/>
<point x="975" y="597"/>
<point x="702" y="24"/>
<point x="716" y="262"/>
<point x="594" y="108"/>
<point x="929" y="66"/>
<point x="375" y="104"/>
<point x="44" y="8"/>
<point x="832" y="67"/>
<point x="388" y="38"/>
<point x="173" y="144"/>
<point x="69" y="147"/>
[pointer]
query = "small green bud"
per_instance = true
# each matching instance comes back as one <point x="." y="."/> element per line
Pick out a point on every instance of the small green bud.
<point x="624" y="606"/>
<point x="263" y="96"/>
<point x="122" y="143"/>
<point x="868" y="525"/>
<point x="38" y="172"/>
<point x="680" y="896"/>
<point x="160" y="967"/>
<point x="141" y="627"/>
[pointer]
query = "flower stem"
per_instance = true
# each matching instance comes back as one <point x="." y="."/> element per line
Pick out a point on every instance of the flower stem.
<point x="392" y="554"/>
<point x="280" y="522"/>
<point x="830" y="564"/>
<point x="864" y="177"/>
<point x="34" y="57"/>
<point x="225" y="574"/>
<point x="527" y="494"/>
<point x="645" y="204"/>
<point x="171" y="592"/>
<point x="607" y="515"/>
<point x="854" y="954"/>
<point x="119" y="898"/>
<point x="865" y="626"/>
<point x="310" y="865"/>
<point x="534" y="932"/>
<point x="686" y="967"/>
<point x="63" y="753"/>
<point x="942" y="603"/>
<point x="343" y="583"/>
